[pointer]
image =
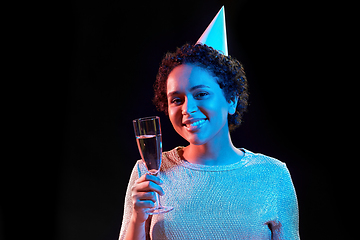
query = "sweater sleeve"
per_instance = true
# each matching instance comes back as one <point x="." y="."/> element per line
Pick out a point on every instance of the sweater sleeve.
<point x="287" y="224"/>
<point x="135" y="174"/>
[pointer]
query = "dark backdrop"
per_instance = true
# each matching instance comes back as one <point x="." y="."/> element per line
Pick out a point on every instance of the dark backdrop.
<point x="110" y="62"/>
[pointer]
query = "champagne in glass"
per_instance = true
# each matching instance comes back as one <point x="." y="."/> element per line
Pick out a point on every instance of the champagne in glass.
<point x="150" y="150"/>
<point x="148" y="138"/>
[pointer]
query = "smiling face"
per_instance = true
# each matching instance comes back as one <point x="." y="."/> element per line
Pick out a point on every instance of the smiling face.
<point x="197" y="106"/>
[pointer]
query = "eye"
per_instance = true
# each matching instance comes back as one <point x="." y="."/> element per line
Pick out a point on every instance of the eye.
<point x="201" y="95"/>
<point x="175" y="100"/>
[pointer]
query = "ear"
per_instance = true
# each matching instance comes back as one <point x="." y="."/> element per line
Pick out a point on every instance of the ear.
<point x="233" y="104"/>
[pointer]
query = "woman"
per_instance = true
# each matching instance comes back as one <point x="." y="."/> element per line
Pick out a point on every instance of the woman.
<point x="218" y="191"/>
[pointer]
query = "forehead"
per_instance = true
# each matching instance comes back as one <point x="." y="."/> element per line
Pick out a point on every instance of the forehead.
<point x="185" y="76"/>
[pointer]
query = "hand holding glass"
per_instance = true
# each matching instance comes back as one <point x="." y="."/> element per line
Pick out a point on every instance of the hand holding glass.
<point x="148" y="138"/>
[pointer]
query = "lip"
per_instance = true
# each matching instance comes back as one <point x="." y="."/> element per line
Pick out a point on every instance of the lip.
<point x="193" y="125"/>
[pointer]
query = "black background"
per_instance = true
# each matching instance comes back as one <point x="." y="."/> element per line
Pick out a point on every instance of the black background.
<point x="109" y="53"/>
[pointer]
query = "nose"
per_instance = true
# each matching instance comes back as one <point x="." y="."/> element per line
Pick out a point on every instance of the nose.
<point x="189" y="106"/>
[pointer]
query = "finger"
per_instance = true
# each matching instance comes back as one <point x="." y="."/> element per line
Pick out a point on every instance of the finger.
<point x="149" y="177"/>
<point x="146" y="196"/>
<point x="148" y="186"/>
<point x="144" y="204"/>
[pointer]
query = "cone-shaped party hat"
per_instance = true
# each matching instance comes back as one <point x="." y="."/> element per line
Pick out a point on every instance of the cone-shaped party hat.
<point x="215" y="34"/>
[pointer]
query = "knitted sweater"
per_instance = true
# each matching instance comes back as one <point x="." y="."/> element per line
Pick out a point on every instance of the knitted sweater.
<point x="253" y="198"/>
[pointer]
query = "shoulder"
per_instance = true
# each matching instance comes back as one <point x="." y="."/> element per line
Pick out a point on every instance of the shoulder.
<point x="263" y="161"/>
<point x="269" y="166"/>
<point x="170" y="159"/>
<point x="172" y="155"/>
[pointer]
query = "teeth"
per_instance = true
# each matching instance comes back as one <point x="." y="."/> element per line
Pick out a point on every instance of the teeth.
<point x="196" y="123"/>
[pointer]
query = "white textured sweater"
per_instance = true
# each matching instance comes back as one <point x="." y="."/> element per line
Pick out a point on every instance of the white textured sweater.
<point x="253" y="198"/>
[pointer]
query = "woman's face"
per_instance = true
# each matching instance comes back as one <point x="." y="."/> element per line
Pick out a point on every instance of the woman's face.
<point x="197" y="106"/>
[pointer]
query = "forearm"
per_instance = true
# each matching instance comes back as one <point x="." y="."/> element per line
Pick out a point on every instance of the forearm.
<point x="135" y="231"/>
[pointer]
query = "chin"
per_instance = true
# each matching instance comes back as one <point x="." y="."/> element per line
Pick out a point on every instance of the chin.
<point x="195" y="139"/>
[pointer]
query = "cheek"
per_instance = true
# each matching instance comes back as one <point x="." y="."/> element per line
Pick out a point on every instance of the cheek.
<point x="216" y="110"/>
<point x="175" y="117"/>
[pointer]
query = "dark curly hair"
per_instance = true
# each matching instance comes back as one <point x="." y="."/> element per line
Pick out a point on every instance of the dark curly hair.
<point x="229" y="72"/>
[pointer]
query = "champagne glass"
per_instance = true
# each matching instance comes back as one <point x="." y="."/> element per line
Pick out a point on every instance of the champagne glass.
<point x="148" y="138"/>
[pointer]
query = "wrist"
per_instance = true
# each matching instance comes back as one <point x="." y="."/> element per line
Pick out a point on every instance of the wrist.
<point x="137" y="220"/>
<point x="136" y="229"/>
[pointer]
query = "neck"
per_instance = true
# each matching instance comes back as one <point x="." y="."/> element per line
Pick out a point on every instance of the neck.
<point x="219" y="151"/>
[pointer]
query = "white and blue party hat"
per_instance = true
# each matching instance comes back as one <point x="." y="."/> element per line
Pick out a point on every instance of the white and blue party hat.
<point x="215" y="34"/>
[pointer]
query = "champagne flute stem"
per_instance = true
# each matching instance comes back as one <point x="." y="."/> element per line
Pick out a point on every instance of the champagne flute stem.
<point x="157" y="203"/>
<point x="157" y="197"/>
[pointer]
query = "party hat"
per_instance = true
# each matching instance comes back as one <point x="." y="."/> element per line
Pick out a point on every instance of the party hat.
<point x="215" y="34"/>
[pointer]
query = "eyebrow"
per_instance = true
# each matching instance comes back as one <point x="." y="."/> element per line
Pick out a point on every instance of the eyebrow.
<point x="191" y="89"/>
